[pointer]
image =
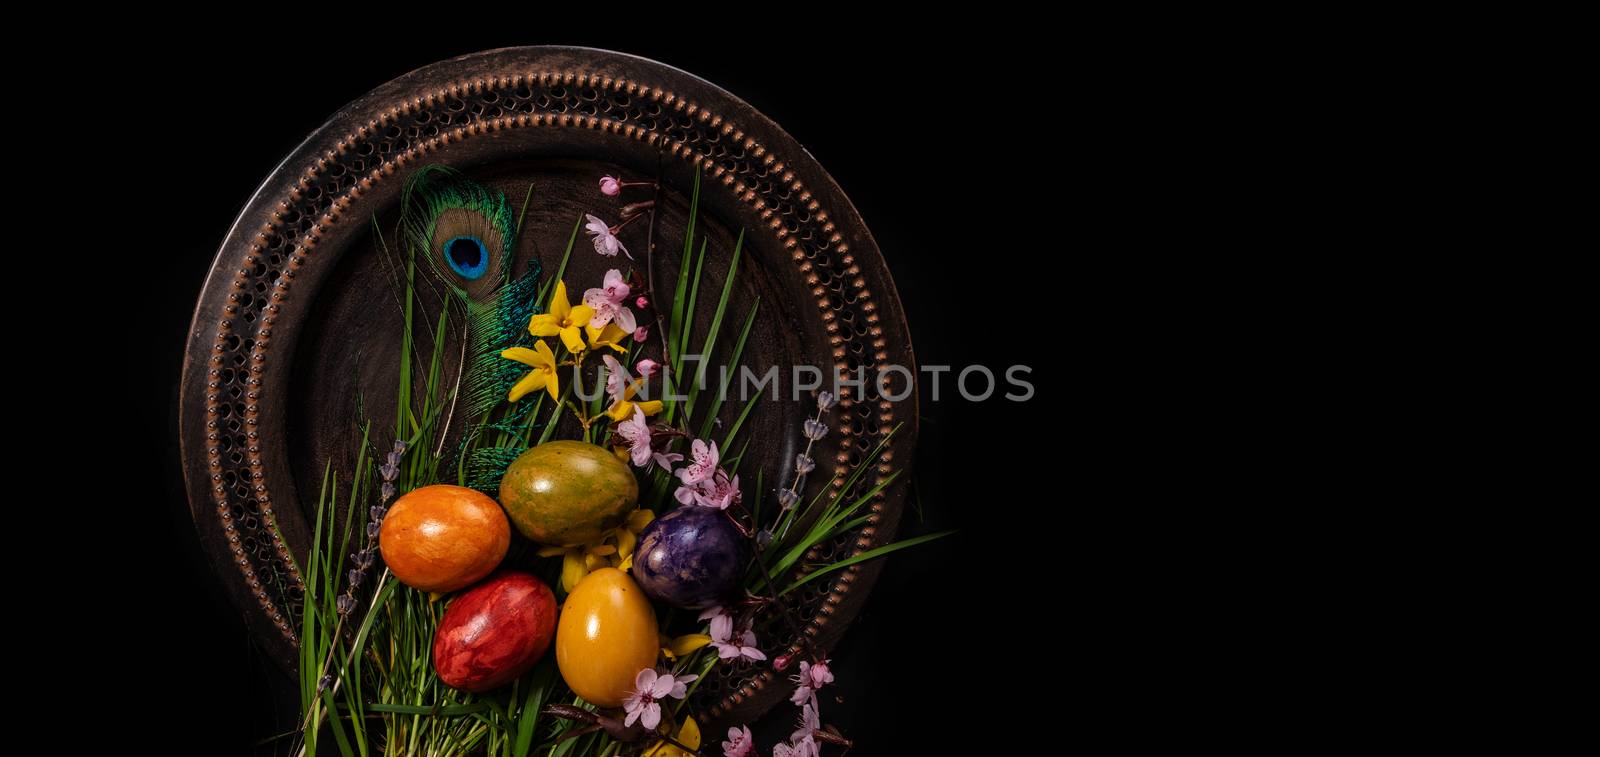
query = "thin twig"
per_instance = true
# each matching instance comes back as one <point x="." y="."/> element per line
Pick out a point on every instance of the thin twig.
<point x="650" y="272"/>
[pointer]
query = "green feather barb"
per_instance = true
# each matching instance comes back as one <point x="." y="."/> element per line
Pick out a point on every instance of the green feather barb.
<point x="467" y="232"/>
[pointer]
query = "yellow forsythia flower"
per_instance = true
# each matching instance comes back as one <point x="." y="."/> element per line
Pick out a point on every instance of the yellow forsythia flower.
<point x="563" y="320"/>
<point x="543" y="375"/>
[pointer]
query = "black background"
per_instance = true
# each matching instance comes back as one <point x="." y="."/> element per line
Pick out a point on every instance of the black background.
<point x="973" y="214"/>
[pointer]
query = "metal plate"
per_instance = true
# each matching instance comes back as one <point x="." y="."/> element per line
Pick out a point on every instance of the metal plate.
<point x="291" y="325"/>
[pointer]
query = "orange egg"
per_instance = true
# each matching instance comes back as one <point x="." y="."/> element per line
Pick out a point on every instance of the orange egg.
<point x="607" y="634"/>
<point x="443" y="538"/>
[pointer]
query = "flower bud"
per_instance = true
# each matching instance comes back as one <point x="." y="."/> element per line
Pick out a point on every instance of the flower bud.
<point x="609" y="186"/>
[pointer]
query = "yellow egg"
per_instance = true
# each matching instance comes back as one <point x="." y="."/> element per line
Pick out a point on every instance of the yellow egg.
<point x="606" y="635"/>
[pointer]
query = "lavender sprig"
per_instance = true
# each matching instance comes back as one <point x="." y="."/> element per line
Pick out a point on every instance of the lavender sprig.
<point x="364" y="559"/>
<point x="813" y="430"/>
<point x="345" y="604"/>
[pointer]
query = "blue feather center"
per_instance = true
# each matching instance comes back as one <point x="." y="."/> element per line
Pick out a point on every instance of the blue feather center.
<point x="467" y="256"/>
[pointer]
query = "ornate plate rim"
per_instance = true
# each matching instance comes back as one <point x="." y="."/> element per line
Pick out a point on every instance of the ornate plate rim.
<point x="298" y="175"/>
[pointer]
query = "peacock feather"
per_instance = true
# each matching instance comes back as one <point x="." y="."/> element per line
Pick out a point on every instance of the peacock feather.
<point x="467" y="234"/>
<point x="465" y="227"/>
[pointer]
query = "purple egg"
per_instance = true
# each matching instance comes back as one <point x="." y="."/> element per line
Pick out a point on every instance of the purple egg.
<point x="691" y="557"/>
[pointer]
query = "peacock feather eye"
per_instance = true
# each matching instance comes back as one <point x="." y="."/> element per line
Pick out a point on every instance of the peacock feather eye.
<point x="462" y="228"/>
<point x="467" y="256"/>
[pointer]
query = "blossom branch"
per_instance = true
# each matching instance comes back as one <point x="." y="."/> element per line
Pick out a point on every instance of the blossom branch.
<point x="650" y="273"/>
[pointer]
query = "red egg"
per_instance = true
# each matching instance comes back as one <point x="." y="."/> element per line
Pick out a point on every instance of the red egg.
<point x="494" y="632"/>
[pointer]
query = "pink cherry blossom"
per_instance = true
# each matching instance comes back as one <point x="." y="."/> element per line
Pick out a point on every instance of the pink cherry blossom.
<point x="728" y="648"/>
<point x="722" y="627"/>
<point x="803" y="742"/>
<point x="685" y="494"/>
<point x="740" y="742"/>
<point x="809" y="723"/>
<point x="609" y="186"/>
<point x="605" y="241"/>
<point x="636" y="432"/>
<point x="667" y="459"/>
<point x="812" y="677"/>
<point x="712" y="612"/>
<point x="607" y="301"/>
<point x="702" y="465"/>
<point x="717" y="615"/>
<point x="716" y="492"/>
<point x="616" y="378"/>
<point x="649" y="687"/>
<point x="806" y="747"/>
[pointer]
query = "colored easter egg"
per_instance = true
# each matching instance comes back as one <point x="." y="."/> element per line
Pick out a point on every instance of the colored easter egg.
<point x="494" y="632"/>
<point x="568" y="493"/>
<point x="691" y="557"/>
<point x="443" y="538"/>
<point x="606" y="635"/>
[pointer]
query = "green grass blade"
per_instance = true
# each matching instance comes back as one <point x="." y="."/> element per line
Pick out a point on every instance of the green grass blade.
<point x="734" y="460"/>
<point x="336" y="725"/>
<point x="733" y="368"/>
<point x="761" y="496"/>
<point x="825" y="526"/>
<point x="555" y="415"/>
<point x="710" y="344"/>
<point x="694" y="295"/>
<point x="738" y="423"/>
<point x="455" y="710"/>
<point x="676" y="331"/>
<point x="549" y="285"/>
<point x="522" y="215"/>
<point x="308" y="627"/>
<point x="403" y="396"/>
<point x="864" y="556"/>
<point x="528" y="719"/>
<point x="594" y="404"/>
